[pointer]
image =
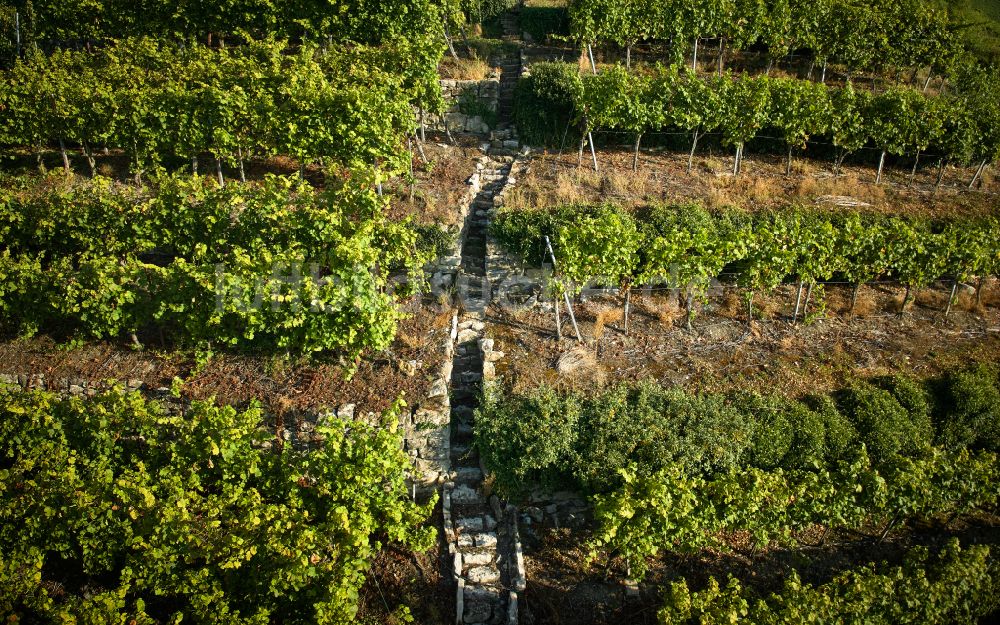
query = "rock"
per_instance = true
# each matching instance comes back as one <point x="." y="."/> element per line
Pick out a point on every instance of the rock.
<point x="477" y="559"/>
<point x="409" y="367"/>
<point x="476" y="612"/>
<point x="346" y="411"/>
<point x="487" y="539"/>
<point x="438" y="389"/>
<point x="464" y="495"/>
<point x="535" y="513"/>
<point x="493" y="356"/>
<point x="482" y="575"/>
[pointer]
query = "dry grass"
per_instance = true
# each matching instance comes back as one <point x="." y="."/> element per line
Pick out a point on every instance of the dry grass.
<point x="667" y="309"/>
<point x="578" y="368"/>
<point x="991" y="293"/>
<point x="838" y="301"/>
<point x="463" y="69"/>
<point x="732" y="306"/>
<point x="935" y="299"/>
<point x="768" y="307"/>
<point x="603" y="317"/>
<point x="662" y="178"/>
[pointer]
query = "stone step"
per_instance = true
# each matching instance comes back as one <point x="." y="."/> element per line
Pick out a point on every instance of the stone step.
<point x="476" y="524"/>
<point x="482" y="540"/>
<point x="481" y="575"/>
<point x="463" y="495"/>
<point x="462" y="411"/>
<point x="468" y="475"/>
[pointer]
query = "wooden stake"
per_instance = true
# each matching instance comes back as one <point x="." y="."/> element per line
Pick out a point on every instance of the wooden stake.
<point x="798" y="302"/>
<point x="690" y="306"/>
<point x="951" y="298"/>
<point x="975" y="178"/>
<point x="913" y="173"/>
<point x="555" y="302"/>
<point x="593" y="154"/>
<point x="628" y="294"/>
<point x="65" y="156"/>
<point x="572" y="317"/>
<point x="694" y="144"/>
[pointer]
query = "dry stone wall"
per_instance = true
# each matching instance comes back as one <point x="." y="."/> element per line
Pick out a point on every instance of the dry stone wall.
<point x="471" y="106"/>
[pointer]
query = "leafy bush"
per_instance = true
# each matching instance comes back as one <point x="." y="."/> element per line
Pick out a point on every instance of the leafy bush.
<point x="956" y="586"/>
<point x="882" y="423"/>
<point x="772" y="431"/>
<point x="648" y="427"/>
<point x="974" y="418"/>
<point x="112" y="511"/>
<point x="523" y="232"/>
<point x="542" y="22"/>
<point x="839" y="433"/>
<point x="914" y="397"/>
<point x="480" y="11"/>
<point x="544" y="103"/>
<point x="527" y="437"/>
<point x="433" y="240"/>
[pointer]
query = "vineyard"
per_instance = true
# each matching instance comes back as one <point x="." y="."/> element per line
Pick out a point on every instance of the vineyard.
<point x="499" y="312"/>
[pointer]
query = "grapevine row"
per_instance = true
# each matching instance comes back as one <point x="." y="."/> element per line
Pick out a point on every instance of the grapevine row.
<point x="279" y="266"/>
<point x="675" y="511"/>
<point x="586" y="441"/>
<point x="962" y="127"/>
<point x="153" y="100"/>
<point x="114" y="510"/>
<point x="46" y="22"/>
<point x="955" y="586"/>
<point x="673" y="470"/>
<point x="906" y="33"/>
<point x="687" y="247"/>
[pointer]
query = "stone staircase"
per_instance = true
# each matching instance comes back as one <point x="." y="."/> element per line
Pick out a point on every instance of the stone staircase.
<point x="479" y="528"/>
<point x="510" y="72"/>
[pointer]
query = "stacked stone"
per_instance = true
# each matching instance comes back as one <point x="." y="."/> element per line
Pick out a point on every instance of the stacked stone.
<point x="476" y="525"/>
<point x="458" y="95"/>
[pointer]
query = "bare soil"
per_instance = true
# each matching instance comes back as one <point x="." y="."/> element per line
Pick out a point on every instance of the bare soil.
<point x="723" y="352"/>
<point x="283" y="385"/>
<point x="555" y="179"/>
<point x="439" y="181"/>
<point x="420" y="581"/>
<point x="563" y="590"/>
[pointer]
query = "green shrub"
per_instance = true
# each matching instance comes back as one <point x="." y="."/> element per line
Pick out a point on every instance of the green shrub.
<point x="913" y="396"/>
<point x="883" y="424"/>
<point x="772" y="431"/>
<point x="974" y="416"/>
<point x="786" y="433"/>
<point x="839" y="434"/>
<point x="479" y="11"/>
<point x="617" y="432"/>
<point x="544" y="104"/>
<point x="808" y="436"/>
<point x="542" y="22"/>
<point x="111" y="497"/>
<point x="523" y="232"/>
<point x="527" y="438"/>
